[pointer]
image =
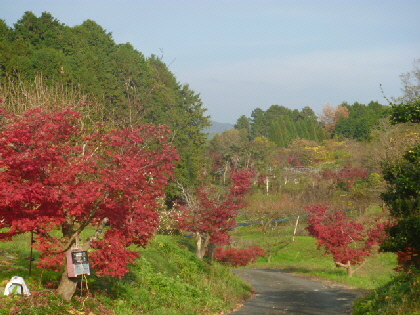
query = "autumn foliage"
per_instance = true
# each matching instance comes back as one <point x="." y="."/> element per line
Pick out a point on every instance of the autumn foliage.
<point x="408" y="260"/>
<point x="348" y="241"/>
<point x="331" y="116"/>
<point x="56" y="180"/>
<point x="210" y="214"/>
<point x="346" y="177"/>
<point x="238" y="256"/>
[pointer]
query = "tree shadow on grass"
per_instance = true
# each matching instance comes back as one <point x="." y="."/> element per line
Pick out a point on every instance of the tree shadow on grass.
<point x="324" y="271"/>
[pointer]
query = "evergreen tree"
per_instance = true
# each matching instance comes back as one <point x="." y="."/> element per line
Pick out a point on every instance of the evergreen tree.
<point x="244" y="123"/>
<point x="258" y="123"/>
<point x="282" y="125"/>
<point x="403" y="197"/>
<point x="361" y="120"/>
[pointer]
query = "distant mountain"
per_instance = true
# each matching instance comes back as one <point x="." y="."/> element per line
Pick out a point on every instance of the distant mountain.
<point x="217" y="127"/>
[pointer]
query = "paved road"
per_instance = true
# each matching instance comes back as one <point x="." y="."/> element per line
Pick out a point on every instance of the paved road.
<point x="278" y="292"/>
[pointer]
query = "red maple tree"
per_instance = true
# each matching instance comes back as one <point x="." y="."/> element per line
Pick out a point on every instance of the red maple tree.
<point x="60" y="183"/>
<point x="209" y="215"/>
<point x="349" y="242"/>
<point x="346" y="177"/>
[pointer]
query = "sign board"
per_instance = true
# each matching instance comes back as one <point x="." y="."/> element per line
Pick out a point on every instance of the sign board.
<point x="77" y="262"/>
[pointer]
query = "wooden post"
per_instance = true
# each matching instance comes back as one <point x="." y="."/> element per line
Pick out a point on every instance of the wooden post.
<point x="31" y="255"/>
<point x="296" y="225"/>
<point x="266" y="185"/>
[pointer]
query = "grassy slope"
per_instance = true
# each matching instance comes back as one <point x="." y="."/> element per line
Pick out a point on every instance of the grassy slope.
<point x="401" y="296"/>
<point x="167" y="279"/>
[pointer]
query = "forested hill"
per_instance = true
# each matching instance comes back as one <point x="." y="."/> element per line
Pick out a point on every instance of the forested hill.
<point x="109" y="82"/>
<point x="282" y="125"/>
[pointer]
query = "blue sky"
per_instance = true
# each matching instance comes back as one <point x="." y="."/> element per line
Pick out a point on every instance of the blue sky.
<point x="243" y="54"/>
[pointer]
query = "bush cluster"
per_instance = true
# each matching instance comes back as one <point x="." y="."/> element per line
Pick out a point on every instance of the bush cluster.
<point x="238" y="256"/>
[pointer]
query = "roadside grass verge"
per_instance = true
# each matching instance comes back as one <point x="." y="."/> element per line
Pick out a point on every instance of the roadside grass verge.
<point x="166" y="279"/>
<point x="401" y="296"/>
<point x="299" y="254"/>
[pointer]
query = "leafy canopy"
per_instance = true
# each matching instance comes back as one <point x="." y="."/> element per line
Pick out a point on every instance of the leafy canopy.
<point x="210" y="215"/>
<point x="349" y="242"/>
<point x="56" y="181"/>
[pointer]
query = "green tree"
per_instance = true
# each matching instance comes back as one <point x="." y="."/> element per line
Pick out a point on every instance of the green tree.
<point x="403" y="199"/>
<point x="230" y="150"/>
<point x="39" y="32"/>
<point x="282" y="125"/>
<point x="174" y="104"/>
<point x="361" y="120"/>
<point x="258" y="123"/>
<point x="5" y="48"/>
<point x="244" y="123"/>
<point x="409" y="112"/>
<point x="403" y="194"/>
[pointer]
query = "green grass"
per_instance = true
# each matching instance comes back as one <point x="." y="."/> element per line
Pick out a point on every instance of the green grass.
<point x="401" y="296"/>
<point x="302" y="256"/>
<point x="166" y="279"/>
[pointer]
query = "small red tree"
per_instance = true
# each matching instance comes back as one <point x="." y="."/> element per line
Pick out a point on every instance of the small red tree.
<point x="54" y="177"/>
<point x="346" y="177"/>
<point x="210" y="215"/>
<point x="347" y="241"/>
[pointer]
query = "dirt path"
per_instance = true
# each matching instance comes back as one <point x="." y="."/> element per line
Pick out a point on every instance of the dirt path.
<point x="278" y="292"/>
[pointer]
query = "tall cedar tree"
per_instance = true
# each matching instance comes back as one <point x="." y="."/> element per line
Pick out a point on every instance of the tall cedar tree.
<point x="210" y="216"/>
<point x="53" y="178"/>
<point x="349" y="242"/>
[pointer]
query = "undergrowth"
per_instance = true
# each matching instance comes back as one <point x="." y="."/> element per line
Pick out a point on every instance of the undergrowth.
<point x="401" y="296"/>
<point x="166" y="279"/>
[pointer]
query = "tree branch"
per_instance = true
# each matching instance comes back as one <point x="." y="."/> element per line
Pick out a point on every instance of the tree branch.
<point x="339" y="264"/>
<point x="95" y="236"/>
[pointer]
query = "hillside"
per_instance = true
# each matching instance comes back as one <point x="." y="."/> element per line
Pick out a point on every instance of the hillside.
<point x="166" y="279"/>
<point x="216" y="128"/>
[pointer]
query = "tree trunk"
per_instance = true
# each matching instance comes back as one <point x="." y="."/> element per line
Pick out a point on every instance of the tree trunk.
<point x="224" y="173"/>
<point x="350" y="270"/>
<point x="67" y="286"/>
<point x="202" y="243"/>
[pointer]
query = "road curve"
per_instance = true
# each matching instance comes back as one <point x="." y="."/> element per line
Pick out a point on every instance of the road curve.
<point x="278" y="292"/>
